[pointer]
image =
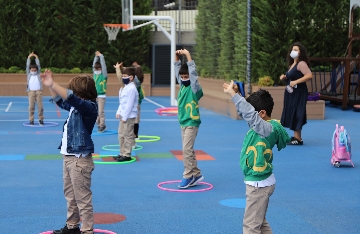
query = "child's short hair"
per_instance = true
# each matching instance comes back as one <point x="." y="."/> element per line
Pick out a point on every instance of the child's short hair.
<point x="184" y="69"/>
<point x="97" y="65"/>
<point x="33" y="65"/>
<point x="261" y="100"/>
<point x="130" y="71"/>
<point x="83" y="86"/>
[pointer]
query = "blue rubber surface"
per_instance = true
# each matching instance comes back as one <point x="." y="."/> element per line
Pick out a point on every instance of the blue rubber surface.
<point x="311" y="195"/>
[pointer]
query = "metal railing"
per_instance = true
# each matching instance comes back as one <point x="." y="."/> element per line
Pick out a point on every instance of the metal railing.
<point x="336" y="79"/>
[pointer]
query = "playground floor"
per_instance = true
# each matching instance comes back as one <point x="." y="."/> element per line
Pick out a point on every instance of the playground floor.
<point x="311" y="195"/>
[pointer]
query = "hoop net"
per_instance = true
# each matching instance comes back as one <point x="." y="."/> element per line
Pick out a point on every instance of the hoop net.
<point x="113" y="29"/>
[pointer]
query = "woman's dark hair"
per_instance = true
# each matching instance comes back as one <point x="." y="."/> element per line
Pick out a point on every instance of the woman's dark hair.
<point x="84" y="87"/>
<point x="302" y="57"/>
<point x="261" y="100"/>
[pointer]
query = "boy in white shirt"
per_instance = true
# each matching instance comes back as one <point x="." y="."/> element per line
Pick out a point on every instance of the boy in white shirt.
<point x="34" y="88"/>
<point x="127" y="113"/>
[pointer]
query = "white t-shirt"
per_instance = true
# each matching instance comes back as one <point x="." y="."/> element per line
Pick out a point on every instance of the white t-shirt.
<point x="64" y="138"/>
<point x="262" y="183"/>
<point x="34" y="83"/>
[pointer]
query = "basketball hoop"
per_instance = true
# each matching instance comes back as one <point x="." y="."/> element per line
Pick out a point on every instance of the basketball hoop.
<point x="113" y="29"/>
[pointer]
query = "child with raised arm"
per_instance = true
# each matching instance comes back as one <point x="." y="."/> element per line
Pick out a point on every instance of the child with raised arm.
<point x="100" y="77"/>
<point x="77" y="147"/>
<point x="189" y="116"/>
<point x="256" y="154"/>
<point x="127" y="111"/>
<point x="34" y="88"/>
<point x="139" y="77"/>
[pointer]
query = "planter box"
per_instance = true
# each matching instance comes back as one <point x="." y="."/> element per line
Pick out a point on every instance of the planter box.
<point x="216" y="100"/>
<point x="15" y="84"/>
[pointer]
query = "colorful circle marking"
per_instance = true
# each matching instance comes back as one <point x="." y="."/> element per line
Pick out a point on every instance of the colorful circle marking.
<point x="210" y="186"/>
<point x="109" y="147"/>
<point x="167" y="111"/>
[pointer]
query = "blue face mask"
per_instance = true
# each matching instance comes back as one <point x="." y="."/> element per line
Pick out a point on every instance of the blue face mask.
<point x="126" y="80"/>
<point x="186" y="83"/>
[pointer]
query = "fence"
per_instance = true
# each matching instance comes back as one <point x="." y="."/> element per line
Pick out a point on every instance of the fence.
<point x="336" y="79"/>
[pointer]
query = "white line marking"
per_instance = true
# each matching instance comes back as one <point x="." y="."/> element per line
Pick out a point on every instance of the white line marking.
<point x="8" y="107"/>
<point x="155" y="103"/>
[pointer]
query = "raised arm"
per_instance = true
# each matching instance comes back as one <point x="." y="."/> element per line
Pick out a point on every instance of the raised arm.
<point x="28" y="62"/>
<point x="195" y="86"/>
<point x="96" y="58"/>
<point x="177" y="65"/>
<point x="117" y="67"/>
<point x="247" y="112"/>
<point x="103" y="66"/>
<point x="37" y="61"/>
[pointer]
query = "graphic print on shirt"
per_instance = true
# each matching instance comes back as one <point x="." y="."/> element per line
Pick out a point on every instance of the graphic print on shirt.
<point x="259" y="147"/>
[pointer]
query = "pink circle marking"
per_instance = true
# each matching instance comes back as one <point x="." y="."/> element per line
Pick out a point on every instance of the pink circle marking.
<point x="167" y="111"/>
<point x="184" y="190"/>
<point x="95" y="231"/>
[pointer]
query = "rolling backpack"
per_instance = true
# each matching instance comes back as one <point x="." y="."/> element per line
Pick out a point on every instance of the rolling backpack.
<point x="341" y="147"/>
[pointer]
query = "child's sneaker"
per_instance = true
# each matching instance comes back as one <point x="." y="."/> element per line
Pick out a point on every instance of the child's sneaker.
<point x="185" y="183"/>
<point x="123" y="159"/>
<point x="41" y="122"/>
<point x="196" y="180"/>
<point x="65" y="230"/>
<point x="31" y="122"/>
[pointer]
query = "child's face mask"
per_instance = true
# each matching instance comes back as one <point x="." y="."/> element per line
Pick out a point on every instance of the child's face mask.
<point x="97" y="72"/>
<point x="33" y="72"/>
<point x="126" y="79"/>
<point x="185" y="80"/>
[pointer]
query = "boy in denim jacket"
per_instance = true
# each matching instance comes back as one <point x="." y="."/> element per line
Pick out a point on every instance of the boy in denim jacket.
<point x="256" y="154"/>
<point x="77" y="148"/>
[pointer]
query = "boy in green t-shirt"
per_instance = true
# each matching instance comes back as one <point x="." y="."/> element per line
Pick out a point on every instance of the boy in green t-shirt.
<point x="256" y="154"/>
<point x="100" y="77"/>
<point x="189" y="116"/>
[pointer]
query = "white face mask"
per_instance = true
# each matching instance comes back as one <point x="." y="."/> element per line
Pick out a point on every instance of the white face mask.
<point x="97" y="72"/>
<point x="33" y="73"/>
<point x="294" y="54"/>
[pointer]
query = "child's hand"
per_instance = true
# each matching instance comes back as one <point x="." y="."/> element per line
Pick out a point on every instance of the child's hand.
<point x="229" y="88"/>
<point x="118" y="65"/>
<point x="31" y="54"/>
<point x="282" y="77"/>
<point x="47" y="78"/>
<point x="185" y="52"/>
<point x="117" y="116"/>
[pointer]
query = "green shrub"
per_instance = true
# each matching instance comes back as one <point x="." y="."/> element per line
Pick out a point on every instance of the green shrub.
<point x="14" y="69"/>
<point x="64" y="70"/>
<point x="55" y="69"/>
<point x="265" y="81"/>
<point x="75" y="70"/>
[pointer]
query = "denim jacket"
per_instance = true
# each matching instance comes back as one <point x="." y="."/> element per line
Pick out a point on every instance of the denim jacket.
<point x="81" y="122"/>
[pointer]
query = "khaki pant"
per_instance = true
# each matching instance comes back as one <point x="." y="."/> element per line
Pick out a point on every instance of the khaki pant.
<point x="126" y="136"/>
<point x="257" y="200"/>
<point x="100" y="121"/>
<point x="137" y="120"/>
<point x="77" y="182"/>
<point x="188" y="135"/>
<point x="35" y="96"/>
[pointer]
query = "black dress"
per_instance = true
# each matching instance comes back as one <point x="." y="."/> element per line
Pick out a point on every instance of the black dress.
<point x="294" y="111"/>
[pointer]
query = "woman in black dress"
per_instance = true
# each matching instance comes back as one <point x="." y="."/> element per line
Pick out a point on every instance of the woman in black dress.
<point x="296" y="92"/>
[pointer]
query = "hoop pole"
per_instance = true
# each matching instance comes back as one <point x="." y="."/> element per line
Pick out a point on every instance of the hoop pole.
<point x="163" y="30"/>
<point x="172" y="38"/>
<point x="140" y="25"/>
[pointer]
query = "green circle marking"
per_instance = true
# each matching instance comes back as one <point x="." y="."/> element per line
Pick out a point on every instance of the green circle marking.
<point x="133" y="159"/>
<point x="108" y="147"/>
<point x="149" y="138"/>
